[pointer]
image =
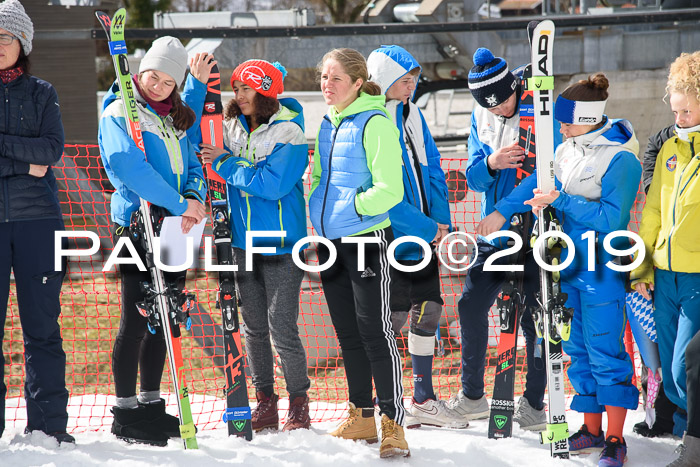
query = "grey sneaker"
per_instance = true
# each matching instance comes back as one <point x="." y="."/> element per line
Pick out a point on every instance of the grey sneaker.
<point x="410" y="422"/>
<point x="529" y="418"/>
<point x="688" y="453"/>
<point x="469" y="409"/>
<point x="435" y="413"/>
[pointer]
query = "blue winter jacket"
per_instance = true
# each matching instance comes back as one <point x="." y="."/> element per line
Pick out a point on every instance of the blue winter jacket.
<point x="263" y="171"/>
<point x="598" y="177"/>
<point x="342" y="156"/>
<point x="407" y="217"/>
<point x="356" y="177"/>
<point x="386" y="65"/>
<point x="489" y="133"/>
<point x="164" y="176"/>
<point x="31" y="132"/>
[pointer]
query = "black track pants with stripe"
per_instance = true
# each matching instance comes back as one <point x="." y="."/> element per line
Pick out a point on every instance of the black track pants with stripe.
<point x="358" y="302"/>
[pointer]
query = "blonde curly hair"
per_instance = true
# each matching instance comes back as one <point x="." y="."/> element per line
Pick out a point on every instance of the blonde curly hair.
<point x="684" y="75"/>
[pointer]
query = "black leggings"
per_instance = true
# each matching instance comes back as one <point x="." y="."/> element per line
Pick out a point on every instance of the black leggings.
<point x="358" y="302"/>
<point x="135" y="347"/>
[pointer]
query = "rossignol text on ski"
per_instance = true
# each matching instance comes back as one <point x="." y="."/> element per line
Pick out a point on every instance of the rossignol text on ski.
<point x="511" y="301"/>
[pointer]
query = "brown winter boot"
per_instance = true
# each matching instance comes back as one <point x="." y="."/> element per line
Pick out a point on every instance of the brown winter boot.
<point x="298" y="416"/>
<point x="393" y="440"/>
<point x="358" y="426"/>
<point x="265" y="414"/>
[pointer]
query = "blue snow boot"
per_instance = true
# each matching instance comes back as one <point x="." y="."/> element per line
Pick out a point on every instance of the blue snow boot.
<point x="583" y="442"/>
<point x="614" y="454"/>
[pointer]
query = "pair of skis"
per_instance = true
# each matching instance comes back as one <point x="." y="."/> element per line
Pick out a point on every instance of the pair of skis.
<point x="552" y="318"/>
<point x="162" y="310"/>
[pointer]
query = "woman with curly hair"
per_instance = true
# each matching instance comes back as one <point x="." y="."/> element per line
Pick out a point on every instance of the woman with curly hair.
<point x="265" y="158"/>
<point x="670" y="219"/>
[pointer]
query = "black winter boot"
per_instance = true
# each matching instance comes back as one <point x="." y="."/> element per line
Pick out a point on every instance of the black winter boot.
<point x="61" y="436"/>
<point x="161" y="421"/>
<point x="132" y="426"/>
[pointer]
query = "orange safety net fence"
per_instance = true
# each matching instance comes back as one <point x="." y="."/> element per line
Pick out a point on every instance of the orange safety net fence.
<point x="91" y="312"/>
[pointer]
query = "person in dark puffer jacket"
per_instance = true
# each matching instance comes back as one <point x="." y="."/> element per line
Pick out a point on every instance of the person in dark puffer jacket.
<point x="653" y="148"/>
<point x="31" y="141"/>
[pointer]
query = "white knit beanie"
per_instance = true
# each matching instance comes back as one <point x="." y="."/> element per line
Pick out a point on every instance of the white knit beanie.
<point x="14" y="20"/>
<point x="167" y="54"/>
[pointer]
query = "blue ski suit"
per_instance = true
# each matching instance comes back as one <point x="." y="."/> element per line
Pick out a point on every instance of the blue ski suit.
<point x="263" y="170"/>
<point x="598" y="175"/>
<point x="167" y="174"/>
<point x="171" y="173"/>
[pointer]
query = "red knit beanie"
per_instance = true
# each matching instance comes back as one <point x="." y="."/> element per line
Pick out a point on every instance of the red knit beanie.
<point x="265" y="77"/>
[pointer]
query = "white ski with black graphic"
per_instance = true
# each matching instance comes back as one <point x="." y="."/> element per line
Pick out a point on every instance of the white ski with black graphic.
<point x="553" y="318"/>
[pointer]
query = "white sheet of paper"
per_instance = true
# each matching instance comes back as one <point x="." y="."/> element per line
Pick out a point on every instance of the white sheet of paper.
<point x="174" y="243"/>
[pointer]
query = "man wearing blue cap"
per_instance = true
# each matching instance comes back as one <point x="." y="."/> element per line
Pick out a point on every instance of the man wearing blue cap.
<point x="494" y="156"/>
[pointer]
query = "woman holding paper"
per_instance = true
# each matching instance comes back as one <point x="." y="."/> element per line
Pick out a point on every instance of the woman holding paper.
<point x="265" y="158"/>
<point x="170" y="177"/>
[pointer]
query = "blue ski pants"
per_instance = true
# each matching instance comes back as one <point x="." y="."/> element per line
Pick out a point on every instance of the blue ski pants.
<point x="480" y="291"/>
<point x="677" y="316"/>
<point x="601" y="370"/>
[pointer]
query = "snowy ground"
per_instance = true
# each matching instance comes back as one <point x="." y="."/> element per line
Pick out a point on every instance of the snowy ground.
<point x="429" y="446"/>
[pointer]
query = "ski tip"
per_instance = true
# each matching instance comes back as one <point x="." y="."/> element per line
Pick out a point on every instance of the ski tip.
<point x="103" y="18"/>
<point x="545" y="26"/>
<point x="531" y="29"/>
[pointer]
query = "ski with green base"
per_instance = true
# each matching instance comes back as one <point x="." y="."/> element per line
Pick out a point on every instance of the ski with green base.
<point x="511" y="301"/>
